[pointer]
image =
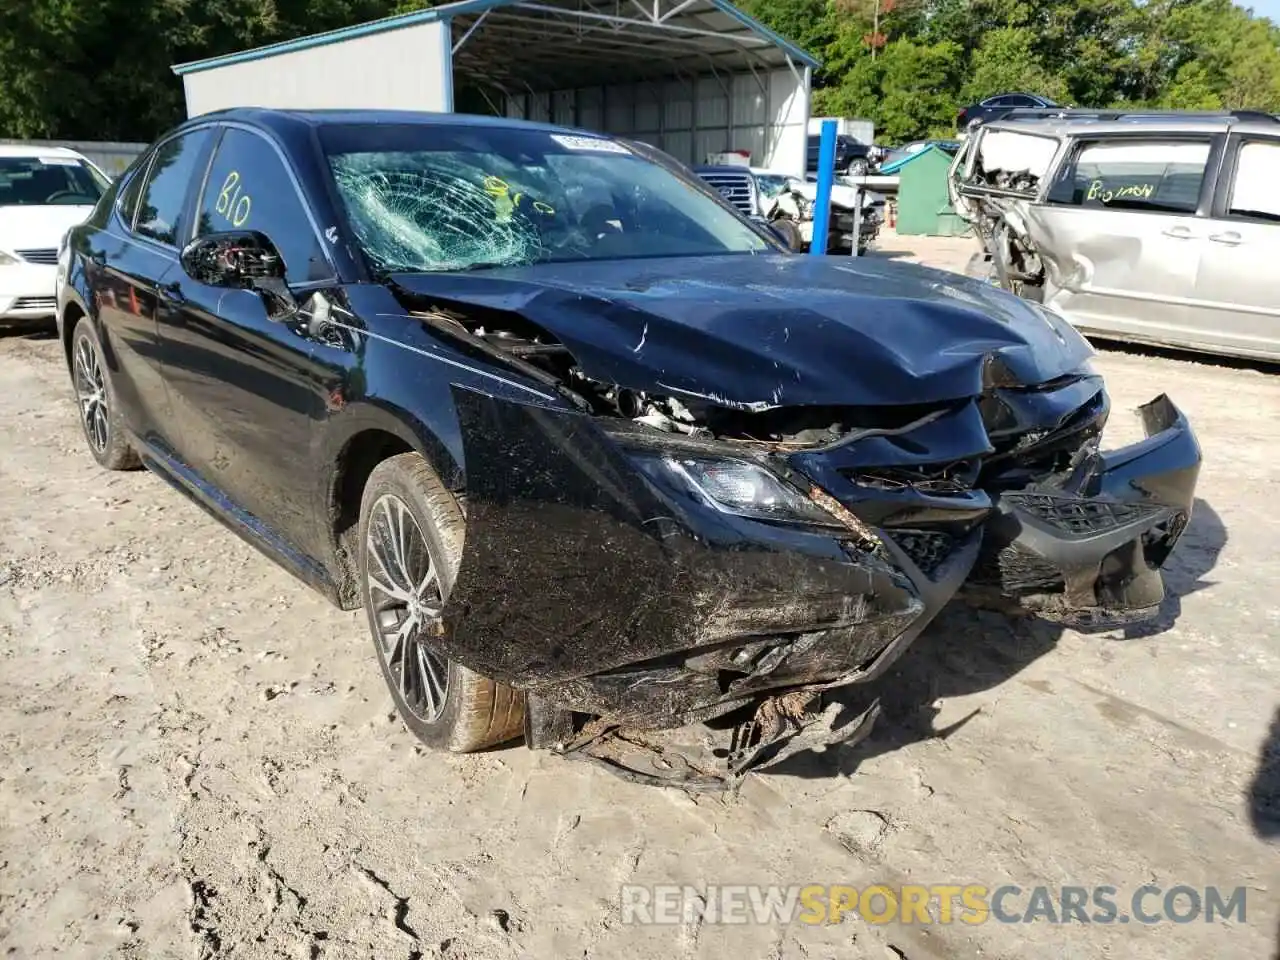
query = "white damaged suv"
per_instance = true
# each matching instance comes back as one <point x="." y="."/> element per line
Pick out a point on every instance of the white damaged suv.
<point x="1156" y="228"/>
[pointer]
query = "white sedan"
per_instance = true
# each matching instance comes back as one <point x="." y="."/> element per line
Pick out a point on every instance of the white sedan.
<point x="44" y="192"/>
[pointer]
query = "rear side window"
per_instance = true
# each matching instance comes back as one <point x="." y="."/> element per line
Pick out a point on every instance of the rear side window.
<point x="1148" y="175"/>
<point x="1255" y="192"/>
<point x="168" y="185"/>
<point x="248" y="188"/>
<point x="128" y="203"/>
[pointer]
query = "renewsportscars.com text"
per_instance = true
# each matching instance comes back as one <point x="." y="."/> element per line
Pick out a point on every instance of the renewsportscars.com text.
<point x="929" y="904"/>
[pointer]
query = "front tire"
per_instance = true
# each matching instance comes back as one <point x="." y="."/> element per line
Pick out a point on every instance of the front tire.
<point x="790" y="231"/>
<point x="96" y="399"/>
<point x="856" y="168"/>
<point x="411" y="533"/>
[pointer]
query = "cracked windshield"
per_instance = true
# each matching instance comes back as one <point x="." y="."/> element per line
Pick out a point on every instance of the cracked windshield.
<point x="437" y="198"/>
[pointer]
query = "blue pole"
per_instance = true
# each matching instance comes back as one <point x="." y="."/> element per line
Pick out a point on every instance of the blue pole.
<point x="826" y="174"/>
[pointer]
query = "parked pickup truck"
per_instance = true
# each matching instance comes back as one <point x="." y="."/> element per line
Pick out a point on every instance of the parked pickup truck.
<point x="786" y="203"/>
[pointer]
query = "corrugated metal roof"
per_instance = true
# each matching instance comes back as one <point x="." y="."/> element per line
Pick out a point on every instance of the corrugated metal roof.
<point x="680" y="20"/>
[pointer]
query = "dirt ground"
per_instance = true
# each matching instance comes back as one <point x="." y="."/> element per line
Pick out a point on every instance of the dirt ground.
<point x="198" y="758"/>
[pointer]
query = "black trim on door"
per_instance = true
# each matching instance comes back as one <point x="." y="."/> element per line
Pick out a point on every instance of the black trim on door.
<point x="1227" y="174"/>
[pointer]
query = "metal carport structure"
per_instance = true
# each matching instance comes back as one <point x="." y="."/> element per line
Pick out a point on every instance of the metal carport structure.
<point x="692" y="77"/>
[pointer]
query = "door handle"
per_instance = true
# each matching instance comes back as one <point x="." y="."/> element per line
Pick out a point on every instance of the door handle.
<point x="1178" y="233"/>
<point x="1230" y="238"/>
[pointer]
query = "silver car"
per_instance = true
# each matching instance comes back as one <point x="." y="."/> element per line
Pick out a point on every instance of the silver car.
<point x="1158" y="228"/>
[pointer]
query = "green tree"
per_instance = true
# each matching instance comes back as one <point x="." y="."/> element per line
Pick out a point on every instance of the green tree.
<point x="99" y="69"/>
<point x="1006" y="59"/>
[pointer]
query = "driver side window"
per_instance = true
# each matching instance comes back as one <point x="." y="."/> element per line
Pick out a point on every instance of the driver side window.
<point x="248" y="188"/>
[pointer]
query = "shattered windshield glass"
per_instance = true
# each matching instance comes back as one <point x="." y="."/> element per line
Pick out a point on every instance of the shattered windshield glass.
<point x="440" y="197"/>
<point x="772" y="184"/>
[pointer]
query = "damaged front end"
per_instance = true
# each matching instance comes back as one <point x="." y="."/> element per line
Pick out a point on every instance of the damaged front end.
<point x="993" y="182"/>
<point x="856" y="215"/>
<point x="642" y="557"/>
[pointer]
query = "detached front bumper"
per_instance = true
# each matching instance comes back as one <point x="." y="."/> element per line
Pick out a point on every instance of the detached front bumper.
<point x="596" y="586"/>
<point x="1088" y="552"/>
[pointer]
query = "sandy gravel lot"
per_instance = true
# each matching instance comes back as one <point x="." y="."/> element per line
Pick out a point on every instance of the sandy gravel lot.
<point x="198" y="759"/>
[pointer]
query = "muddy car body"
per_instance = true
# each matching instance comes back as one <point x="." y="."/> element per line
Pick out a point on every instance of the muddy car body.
<point x="1156" y="228"/>
<point x="593" y="471"/>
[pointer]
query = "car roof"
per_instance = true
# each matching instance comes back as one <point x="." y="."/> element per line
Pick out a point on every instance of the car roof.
<point x="280" y="120"/>
<point x="1075" y="126"/>
<point x="738" y="168"/>
<point x="35" y="150"/>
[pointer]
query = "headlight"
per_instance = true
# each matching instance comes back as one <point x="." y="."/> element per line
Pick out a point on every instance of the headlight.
<point x="747" y="490"/>
<point x="7" y="259"/>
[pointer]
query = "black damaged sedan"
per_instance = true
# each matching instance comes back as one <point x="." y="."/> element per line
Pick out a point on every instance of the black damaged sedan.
<point x="599" y="458"/>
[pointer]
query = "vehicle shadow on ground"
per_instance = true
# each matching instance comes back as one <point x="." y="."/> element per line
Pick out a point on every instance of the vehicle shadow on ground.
<point x="1196" y="554"/>
<point x="1104" y="345"/>
<point x="889" y="254"/>
<point x="1264" y="794"/>
<point x="30" y="330"/>
<point x="966" y="651"/>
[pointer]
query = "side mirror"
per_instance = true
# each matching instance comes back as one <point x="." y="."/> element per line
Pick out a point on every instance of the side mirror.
<point x="242" y="260"/>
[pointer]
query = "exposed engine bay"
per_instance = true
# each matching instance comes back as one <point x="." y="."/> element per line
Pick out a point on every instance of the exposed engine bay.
<point x="688" y="415"/>
<point x="852" y="211"/>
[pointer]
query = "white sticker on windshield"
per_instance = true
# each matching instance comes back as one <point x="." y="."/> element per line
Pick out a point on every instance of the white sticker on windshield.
<point x="598" y="144"/>
<point x="60" y="161"/>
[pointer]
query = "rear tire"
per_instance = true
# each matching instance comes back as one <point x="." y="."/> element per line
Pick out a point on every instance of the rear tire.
<point x="411" y="536"/>
<point x="100" y="417"/>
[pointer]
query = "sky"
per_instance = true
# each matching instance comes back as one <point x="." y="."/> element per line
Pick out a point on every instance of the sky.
<point x="1265" y="8"/>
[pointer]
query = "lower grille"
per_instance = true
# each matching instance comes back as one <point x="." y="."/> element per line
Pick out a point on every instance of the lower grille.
<point x="1015" y="572"/>
<point x="926" y="548"/>
<point x="1079" y="517"/>
<point x="936" y="480"/>
<point x="34" y="303"/>
<point x="44" y="255"/>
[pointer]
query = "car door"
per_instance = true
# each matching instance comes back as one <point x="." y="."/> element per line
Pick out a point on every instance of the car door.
<point x="244" y="388"/>
<point x="1117" y="231"/>
<point x="128" y="260"/>
<point x="1236" y="307"/>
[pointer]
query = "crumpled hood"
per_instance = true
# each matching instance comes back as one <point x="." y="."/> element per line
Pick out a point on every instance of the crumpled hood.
<point x="774" y="330"/>
<point x="38" y="228"/>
